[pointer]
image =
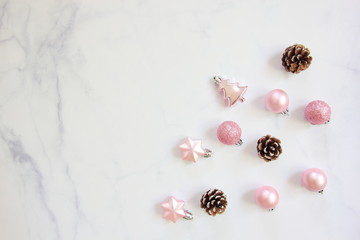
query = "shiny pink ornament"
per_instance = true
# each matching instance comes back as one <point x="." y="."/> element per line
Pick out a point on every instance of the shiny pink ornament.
<point x="267" y="197"/>
<point x="229" y="133"/>
<point x="314" y="180"/>
<point x="173" y="210"/>
<point x="318" y="112"/>
<point x="277" y="101"/>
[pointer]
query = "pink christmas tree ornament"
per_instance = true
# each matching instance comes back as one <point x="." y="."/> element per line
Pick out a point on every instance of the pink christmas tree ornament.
<point x="232" y="92"/>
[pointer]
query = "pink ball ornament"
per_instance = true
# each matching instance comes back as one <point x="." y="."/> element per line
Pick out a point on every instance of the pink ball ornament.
<point x="318" y="112"/>
<point x="277" y="101"/>
<point x="314" y="180"/>
<point x="229" y="133"/>
<point x="267" y="197"/>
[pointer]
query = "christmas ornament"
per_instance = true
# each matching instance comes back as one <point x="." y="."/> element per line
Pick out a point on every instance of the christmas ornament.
<point x="214" y="202"/>
<point x="229" y="133"/>
<point x="296" y="58"/>
<point x="173" y="209"/>
<point x="277" y="101"/>
<point x="192" y="150"/>
<point x="232" y="92"/>
<point x="318" y="112"/>
<point x="314" y="180"/>
<point x="269" y="148"/>
<point x="267" y="197"/>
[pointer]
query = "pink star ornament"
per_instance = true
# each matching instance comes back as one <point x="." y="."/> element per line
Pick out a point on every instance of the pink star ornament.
<point x="192" y="150"/>
<point x="173" y="210"/>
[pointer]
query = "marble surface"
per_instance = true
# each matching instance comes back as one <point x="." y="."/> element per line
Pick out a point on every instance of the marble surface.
<point x="96" y="95"/>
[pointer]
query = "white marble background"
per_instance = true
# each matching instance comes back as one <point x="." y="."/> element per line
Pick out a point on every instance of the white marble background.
<point x="95" y="96"/>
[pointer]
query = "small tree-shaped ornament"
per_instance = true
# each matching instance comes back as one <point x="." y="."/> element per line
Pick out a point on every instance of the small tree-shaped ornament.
<point x="232" y="92"/>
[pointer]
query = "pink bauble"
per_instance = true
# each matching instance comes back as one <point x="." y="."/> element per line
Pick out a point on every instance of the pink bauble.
<point x="318" y="112"/>
<point x="229" y="133"/>
<point x="277" y="101"/>
<point x="267" y="197"/>
<point x="314" y="179"/>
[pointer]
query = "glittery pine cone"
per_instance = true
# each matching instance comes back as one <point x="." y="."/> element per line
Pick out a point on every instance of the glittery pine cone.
<point x="296" y="58"/>
<point x="214" y="202"/>
<point x="269" y="148"/>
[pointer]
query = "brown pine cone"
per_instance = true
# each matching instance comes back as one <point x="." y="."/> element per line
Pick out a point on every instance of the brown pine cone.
<point x="214" y="202"/>
<point x="269" y="148"/>
<point x="296" y="58"/>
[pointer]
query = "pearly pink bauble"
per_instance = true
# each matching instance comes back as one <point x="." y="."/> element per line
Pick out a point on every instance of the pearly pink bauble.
<point x="318" y="112"/>
<point x="277" y="101"/>
<point x="229" y="133"/>
<point x="267" y="197"/>
<point x="314" y="179"/>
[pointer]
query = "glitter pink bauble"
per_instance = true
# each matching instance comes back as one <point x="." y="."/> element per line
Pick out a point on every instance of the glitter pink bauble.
<point x="277" y="101"/>
<point x="314" y="179"/>
<point x="229" y="133"/>
<point x="318" y="112"/>
<point x="267" y="197"/>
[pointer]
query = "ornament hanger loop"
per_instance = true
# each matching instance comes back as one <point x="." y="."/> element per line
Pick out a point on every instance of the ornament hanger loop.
<point x="208" y="153"/>
<point x="239" y="143"/>
<point x="285" y="112"/>
<point x="217" y="79"/>
<point x="188" y="215"/>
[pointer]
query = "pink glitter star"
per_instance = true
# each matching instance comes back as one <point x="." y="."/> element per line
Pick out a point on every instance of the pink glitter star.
<point x="192" y="149"/>
<point x="173" y="209"/>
